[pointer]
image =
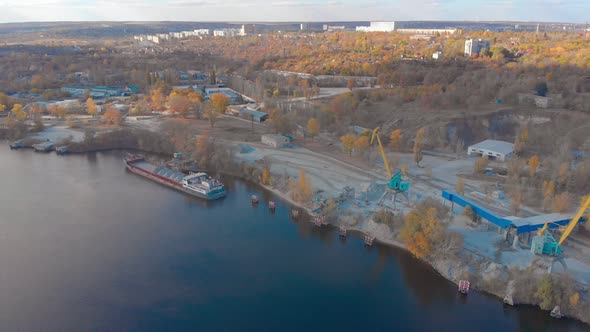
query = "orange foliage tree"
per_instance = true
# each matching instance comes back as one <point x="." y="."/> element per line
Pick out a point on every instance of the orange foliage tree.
<point x="220" y="102"/>
<point x="313" y="127"/>
<point x="422" y="228"/>
<point x="395" y="139"/>
<point x="533" y="165"/>
<point x="112" y="116"/>
<point x="91" y="106"/>
<point x="348" y="143"/>
<point x="561" y="202"/>
<point x="302" y="191"/>
<point x="361" y="144"/>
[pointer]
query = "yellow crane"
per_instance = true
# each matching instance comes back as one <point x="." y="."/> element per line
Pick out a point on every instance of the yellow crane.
<point x="542" y="230"/>
<point x="575" y="219"/>
<point x="544" y="243"/>
<point x="382" y="151"/>
<point x="396" y="181"/>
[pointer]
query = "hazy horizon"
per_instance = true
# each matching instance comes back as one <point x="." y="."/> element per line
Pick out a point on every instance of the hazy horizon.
<point x="563" y="11"/>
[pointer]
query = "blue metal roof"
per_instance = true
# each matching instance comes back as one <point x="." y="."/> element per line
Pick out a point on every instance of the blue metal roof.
<point x="480" y="211"/>
<point x="522" y="225"/>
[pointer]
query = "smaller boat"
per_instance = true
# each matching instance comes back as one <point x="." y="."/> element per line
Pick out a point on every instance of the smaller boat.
<point x="342" y="231"/>
<point x="463" y="286"/>
<point x="254" y="199"/>
<point x="62" y="149"/>
<point x="556" y="312"/>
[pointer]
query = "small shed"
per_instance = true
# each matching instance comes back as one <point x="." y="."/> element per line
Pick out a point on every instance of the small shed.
<point x="274" y="140"/>
<point x="255" y="115"/>
<point x="492" y="149"/>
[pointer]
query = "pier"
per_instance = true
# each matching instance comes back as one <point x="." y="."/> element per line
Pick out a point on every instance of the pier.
<point x="369" y="240"/>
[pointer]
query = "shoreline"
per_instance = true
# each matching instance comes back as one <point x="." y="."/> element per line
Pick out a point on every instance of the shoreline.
<point x="393" y="244"/>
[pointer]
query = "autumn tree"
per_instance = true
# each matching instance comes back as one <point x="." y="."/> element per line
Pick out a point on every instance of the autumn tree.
<point x="548" y="193"/>
<point x="351" y="83"/>
<point x="91" y="106"/>
<point x="348" y="141"/>
<point x="313" y="127"/>
<point x="18" y="112"/>
<point x="302" y="191"/>
<point x="211" y="113"/>
<point x="112" y="116"/>
<point x="404" y="170"/>
<point x="220" y="102"/>
<point x="516" y="201"/>
<point x="480" y="165"/>
<point x="546" y="292"/>
<point x="395" y="139"/>
<point x="281" y="122"/>
<point x="563" y="175"/>
<point x="179" y="104"/>
<point x="421" y="229"/>
<point x="202" y="146"/>
<point x="561" y="202"/>
<point x="57" y="111"/>
<point x="533" y="165"/>
<point x="418" y="146"/>
<point x="157" y="99"/>
<point x="521" y="140"/>
<point x="361" y="144"/>
<point x="2" y="107"/>
<point x="265" y="177"/>
<point x="469" y="213"/>
<point x="514" y="166"/>
<point x="460" y="186"/>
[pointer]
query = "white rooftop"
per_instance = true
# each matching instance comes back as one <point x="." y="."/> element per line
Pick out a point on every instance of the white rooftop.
<point x="493" y="145"/>
<point x="540" y="219"/>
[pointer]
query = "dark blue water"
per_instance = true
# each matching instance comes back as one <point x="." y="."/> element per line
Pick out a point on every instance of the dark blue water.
<point x="87" y="246"/>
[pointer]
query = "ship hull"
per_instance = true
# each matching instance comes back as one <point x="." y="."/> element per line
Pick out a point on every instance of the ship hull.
<point x="173" y="183"/>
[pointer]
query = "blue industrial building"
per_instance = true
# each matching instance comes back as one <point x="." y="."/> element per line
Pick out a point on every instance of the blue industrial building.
<point x="522" y="225"/>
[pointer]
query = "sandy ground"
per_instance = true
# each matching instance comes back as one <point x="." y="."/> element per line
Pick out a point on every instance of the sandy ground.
<point x="331" y="172"/>
<point x="57" y="134"/>
<point x="327" y="174"/>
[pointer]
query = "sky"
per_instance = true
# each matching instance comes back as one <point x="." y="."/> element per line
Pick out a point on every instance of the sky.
<point x="575" y="11"/>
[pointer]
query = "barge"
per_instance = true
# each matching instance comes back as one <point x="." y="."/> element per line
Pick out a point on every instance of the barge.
<point x="198" y="184"/>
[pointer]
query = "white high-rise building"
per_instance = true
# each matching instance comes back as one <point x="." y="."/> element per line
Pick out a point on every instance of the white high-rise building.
<point x="475" y="46"/>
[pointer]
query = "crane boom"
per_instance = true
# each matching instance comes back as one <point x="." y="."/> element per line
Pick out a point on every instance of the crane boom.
<point x="574" y="221"/>
<point x="382" y="151"/>
<point x="542" y="230"/>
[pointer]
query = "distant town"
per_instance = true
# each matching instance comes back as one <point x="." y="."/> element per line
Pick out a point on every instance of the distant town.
<point x="461" y="142"/>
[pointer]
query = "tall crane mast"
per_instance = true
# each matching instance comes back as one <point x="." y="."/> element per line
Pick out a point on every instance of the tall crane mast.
<point x="576" y="219"/>
<point x="382" y="151"/>
<point x="396" y="181"/>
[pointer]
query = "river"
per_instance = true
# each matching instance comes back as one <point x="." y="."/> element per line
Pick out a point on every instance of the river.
<point x="87" y="246"/>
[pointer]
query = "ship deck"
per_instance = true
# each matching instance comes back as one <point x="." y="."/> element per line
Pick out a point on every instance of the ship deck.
<point x="161" y="171"/>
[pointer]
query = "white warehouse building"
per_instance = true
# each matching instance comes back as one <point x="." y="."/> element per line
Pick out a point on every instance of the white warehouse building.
<point x="491" y="149"/>
<point x="276" y="141"/>
<point x="378" y="27"/>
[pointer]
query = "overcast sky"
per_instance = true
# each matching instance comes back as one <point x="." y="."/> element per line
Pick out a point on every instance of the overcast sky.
<point x="294" y="10"/>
